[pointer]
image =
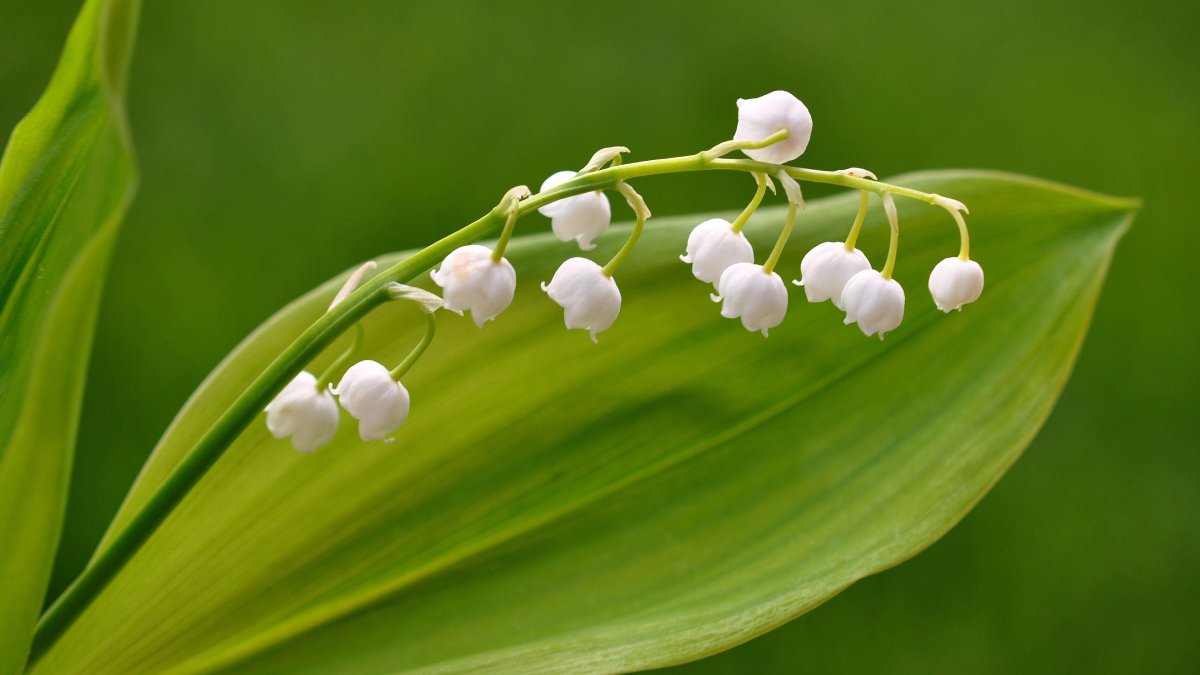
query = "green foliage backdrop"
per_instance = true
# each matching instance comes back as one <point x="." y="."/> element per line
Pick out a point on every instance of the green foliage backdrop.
<point x="374" y="126"/>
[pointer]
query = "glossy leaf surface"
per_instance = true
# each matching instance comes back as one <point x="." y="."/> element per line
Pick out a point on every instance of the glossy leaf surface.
<point x="65" y="180"/>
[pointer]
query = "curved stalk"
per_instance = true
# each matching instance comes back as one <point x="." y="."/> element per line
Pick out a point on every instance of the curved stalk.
<point x="964" y="248"/>
<point x="889" y="266"/>
<point x="769" y="266"/>
<point x="430" y="329"/>
<point x="641" y="213"/>
<point x="852" y="238"/>
<point x="744" y="216"/>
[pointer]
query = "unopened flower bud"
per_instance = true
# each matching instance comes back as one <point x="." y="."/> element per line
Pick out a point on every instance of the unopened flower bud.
<point x="379" y="403"/>
<point x="713" y="246"/>
<point x="474" y="281"/>
<point x="760" y="117"/>
<point x="581" y="217"/>
<point x="955" y="282"/>
<point x="875" y="303"/>
<point x="589" y="297"/>
<point x="307" y="414"/>
<point x="758" y="297"/>
<point x="825" y="270"/>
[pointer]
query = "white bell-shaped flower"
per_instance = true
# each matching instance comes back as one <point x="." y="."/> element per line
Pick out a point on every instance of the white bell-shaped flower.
<point x="379" y="403"/>
<point x="589" y="297"/>
<point x="307" y="414"/>
<point x="750" y="292"/>
<point x="581" y="217"/>
<point x="474" y="281"/>
<point x="875" y="303"/>
<point x="760" y="117"/>
<point x="713" y="246"/>
<point x="825" y="270"/>
<point x="955" y="282"/>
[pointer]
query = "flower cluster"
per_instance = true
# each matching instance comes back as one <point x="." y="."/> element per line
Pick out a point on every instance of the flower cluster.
<point x="306" y="410"/>
<point x="307" y="413"/>
<point x="834" y="271"/>
<point x="771" y="131"/>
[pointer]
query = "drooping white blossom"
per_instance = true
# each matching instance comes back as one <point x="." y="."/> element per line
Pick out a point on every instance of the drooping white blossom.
<point x="713" y="246"/>
<point x="875" y="303"/>
<point x="760" y="117"/>
<point x="758" y="297"/>
<point x="474" y="281"/>
<point x="589" y="297"/>
<point x="955" y="282"/>
<point x="379" y="403"/>
<point x="825" y="270"/>
<point x="580" y="217"/>
<point x="307" y="414"/>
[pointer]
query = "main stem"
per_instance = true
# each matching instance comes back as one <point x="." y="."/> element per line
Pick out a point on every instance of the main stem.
<point x="327" y="328"/>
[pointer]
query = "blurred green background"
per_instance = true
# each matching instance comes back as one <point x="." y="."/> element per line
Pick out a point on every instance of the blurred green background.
<point x="282" y="141"/>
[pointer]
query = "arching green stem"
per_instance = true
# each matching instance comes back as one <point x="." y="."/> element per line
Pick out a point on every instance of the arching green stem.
<point x="339" y="364"/>
<point x="408" y="362"/>
<point x="744" y="216"/>
<point x="769" y="266"/>
<point x="852" y="238"/>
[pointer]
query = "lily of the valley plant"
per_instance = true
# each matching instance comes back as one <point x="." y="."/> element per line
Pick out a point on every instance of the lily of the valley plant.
<point x="520" y="501"/>
<point x="771" y="131"/>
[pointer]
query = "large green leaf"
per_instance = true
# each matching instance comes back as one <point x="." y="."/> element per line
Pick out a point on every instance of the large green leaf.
<point x="65" y="180"/>
<point x="555" y="505"/>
